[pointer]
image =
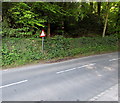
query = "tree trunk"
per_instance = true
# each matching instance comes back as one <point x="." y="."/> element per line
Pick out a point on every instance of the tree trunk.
<point x="99" y="8"/>
<point x="48" y="31"/>
<point x="105" y="26"/>
<point x="106" y="20"/>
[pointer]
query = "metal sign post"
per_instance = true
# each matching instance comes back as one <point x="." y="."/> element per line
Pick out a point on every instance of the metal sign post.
<point x="42" y="44"/>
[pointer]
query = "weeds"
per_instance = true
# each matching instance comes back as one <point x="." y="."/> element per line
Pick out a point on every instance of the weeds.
<point x="19" y="51"/>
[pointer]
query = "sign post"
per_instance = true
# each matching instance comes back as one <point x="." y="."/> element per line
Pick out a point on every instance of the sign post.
<point x="42" y="43"/>
<point x="42" y="35"/>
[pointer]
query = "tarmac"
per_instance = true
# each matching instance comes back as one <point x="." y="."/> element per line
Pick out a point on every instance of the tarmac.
<point x="111" y="94"/>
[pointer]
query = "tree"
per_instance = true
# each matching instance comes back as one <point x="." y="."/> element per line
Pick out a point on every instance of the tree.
<point x="76" y="18"/>
<point x="51" y="12"/>
<point x="106" y="20"/>
<point x="114" y="21"/>
<point x="24" y="17"/>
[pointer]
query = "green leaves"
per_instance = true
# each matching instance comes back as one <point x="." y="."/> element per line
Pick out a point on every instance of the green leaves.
<point x="70" y="18"/>
<point x="25" y="18"/>
<point x="18" y="51"/>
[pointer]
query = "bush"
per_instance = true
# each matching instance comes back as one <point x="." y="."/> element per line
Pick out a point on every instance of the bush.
<point x="17" y="51"/>
<point x="20" y="50"/>
<point x="6" y="30"/>
<point x="56" y="46"/>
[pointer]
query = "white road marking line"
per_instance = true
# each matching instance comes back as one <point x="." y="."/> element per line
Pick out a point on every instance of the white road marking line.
<point x="111" y="88"/>
<point x="101" y="94"/>
<point x="13" y="84"/>
<point x="70" y="69"/>
<point x="82" y="66"/>
<point x="5" y="70"/>
<point x="65" y="70"/>
<point x="92" y="64"/>
<point x="95" y="98"/>
<point x="114" y="59"/>
<point x="92" y="99"/>
<point x="87" y="65"/>
<point x="74" y="68"/>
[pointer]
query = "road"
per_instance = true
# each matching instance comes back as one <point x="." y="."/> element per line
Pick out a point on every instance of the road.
<point x="79" y="79"/>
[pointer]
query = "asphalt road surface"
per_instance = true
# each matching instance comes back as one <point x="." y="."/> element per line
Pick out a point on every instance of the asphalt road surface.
<point x="73" y="80"/>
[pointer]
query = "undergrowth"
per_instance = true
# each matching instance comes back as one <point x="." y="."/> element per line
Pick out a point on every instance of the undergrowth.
<point x="19" y="51"/>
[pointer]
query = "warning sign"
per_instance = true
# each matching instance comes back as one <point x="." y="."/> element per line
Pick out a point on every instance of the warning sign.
<point x="42" y="34"/>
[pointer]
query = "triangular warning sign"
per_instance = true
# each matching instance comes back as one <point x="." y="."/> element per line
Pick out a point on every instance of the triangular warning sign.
<point x="42" y="34"/>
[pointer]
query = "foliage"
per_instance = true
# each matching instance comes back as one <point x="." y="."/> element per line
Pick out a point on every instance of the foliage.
<point x="114" y="21"/>
<point x="18" y="51"/>
<point x="6" y="30"/>
<point x="56" y="46"/>
<point x="25" y="19"/>
<point x="75" y="19"/>
<point x="23" y="15"/>
<point x="51" y="11"/>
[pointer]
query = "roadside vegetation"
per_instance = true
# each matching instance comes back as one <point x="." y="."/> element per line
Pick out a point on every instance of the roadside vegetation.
<point x="19" y="51"/>
<point x="72" y="30"/>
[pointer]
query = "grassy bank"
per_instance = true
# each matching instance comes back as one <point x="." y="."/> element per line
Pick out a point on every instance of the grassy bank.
<point x="19" y="51"/>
